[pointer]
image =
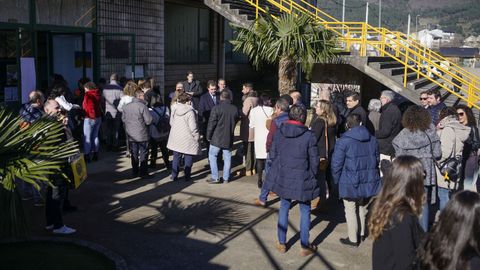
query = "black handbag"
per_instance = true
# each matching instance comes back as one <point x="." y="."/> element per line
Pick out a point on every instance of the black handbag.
<point x="450" y="169"/>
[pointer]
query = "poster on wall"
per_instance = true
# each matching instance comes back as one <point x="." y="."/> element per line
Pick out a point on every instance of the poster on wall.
<point x="322" y="91"/>
<point x="139" y="71"/>
<point x="29" y="76"/>
<point x="82" y="58"/>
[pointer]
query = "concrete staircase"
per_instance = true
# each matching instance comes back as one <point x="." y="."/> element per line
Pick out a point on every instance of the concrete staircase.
<point x="391" y="72"/>
<point x="239" y="12"/>
<point x="385" y="70"/>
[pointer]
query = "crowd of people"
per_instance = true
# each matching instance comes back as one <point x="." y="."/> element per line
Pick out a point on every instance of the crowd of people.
<point x="415" y="172"/>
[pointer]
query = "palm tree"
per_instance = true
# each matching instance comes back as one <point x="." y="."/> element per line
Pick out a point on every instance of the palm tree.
<point x="290" y="40"/>
<point x="27" y="154"/>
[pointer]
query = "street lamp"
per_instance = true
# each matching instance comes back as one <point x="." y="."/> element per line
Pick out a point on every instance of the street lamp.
<point x="416" y="24"/>
<point x="380" y="14"/>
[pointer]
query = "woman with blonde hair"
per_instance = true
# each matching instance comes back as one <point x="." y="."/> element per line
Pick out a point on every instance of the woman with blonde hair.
<point x="175" y="94"/>
<point x="324" y="126"/>
<point x="129" y="93"/>
<point x="394" y="224"/>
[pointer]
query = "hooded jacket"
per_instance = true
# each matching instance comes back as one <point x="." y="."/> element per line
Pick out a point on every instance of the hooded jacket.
<point x="452" y="138"/>
<point x="420" y="144"/>
<point x="355" y="164"/>
<point x="295" y="159"/>
<point x="184" y="137"/>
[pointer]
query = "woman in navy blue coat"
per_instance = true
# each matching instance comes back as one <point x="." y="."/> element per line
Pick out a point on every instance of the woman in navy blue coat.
<point x="295" y="159"/>
<point x="355" y="170"/>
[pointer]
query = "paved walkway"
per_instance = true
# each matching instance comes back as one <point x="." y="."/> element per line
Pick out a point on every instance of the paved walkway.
<point x="161" y="224"/>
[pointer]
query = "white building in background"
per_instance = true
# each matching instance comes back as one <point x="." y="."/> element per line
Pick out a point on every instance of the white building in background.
<point x="436" y="38"/>
<point x="472" y="41"/>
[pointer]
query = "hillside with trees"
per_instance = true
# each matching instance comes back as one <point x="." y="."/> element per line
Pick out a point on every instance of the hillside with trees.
<point x="461" y="16"/>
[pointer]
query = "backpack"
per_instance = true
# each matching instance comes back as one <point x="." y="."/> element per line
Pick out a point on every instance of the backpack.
<point x="163" y="124"/>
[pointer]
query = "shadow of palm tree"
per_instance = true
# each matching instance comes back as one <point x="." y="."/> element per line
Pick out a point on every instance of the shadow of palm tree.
<point x="212" y="216"/>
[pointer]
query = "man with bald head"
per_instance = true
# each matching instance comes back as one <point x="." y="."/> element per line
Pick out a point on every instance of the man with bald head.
<point x="32" y="111"/>
<point x="297" y="99"/>
<point x="57" y="193"/>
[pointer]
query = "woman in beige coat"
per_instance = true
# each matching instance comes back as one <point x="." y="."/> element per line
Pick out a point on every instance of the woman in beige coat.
<point x="452" y="137"/>
<point x="250" y="101"/>
<point x="184" y="137"/>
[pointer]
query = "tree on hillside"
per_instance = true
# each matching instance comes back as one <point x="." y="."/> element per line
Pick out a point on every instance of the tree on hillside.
<point x="290" y="40"/>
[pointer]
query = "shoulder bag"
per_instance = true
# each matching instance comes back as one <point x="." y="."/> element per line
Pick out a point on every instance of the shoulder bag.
<point x="323" y="165"/>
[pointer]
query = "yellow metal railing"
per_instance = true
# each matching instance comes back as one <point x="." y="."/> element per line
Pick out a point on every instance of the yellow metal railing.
<point x="366" y="40"/>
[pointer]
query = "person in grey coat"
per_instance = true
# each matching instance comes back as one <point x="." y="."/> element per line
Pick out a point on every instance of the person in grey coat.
<point x="419" y="139"/>
<point x="184" y="138"/>
<point x="136" y="119"/>
<point x="112" y="93"/>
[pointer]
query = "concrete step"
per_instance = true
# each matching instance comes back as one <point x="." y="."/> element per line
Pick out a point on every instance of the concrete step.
<point x="393" y="64"/>
<point x="379" y="59"/>
<point x="400" y="71"/>
<point x="417" y="84"/>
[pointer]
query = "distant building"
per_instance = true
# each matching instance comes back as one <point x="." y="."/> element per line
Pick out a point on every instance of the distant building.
<point x="472" y="41"/>
<point x="436" y="38"/>
<point x="464" y="56"/>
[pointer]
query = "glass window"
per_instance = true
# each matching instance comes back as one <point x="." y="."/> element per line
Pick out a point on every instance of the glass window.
<point x="66" y="12"/>
<point x="232" y="57"/>
<point x="14" y="11"/>
<point x="8" y="44"/>
<point x="187" y="34"/>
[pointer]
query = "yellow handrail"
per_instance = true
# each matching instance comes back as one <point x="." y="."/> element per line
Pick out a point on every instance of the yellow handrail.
<point x="400" y="47"/>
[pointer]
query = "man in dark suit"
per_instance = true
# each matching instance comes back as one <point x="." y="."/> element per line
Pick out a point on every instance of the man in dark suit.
<point x="193" y="88"/>
<point x="207" y="102"/>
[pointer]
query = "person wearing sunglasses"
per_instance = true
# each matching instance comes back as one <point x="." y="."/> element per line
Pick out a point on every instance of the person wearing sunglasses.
<point x="424" y="99"/>
<point x="470" y="166"/>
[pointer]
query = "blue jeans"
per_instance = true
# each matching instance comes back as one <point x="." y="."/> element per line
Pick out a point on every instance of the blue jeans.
<point x="176" y="165"/>
<point x="425" y="219"/>
<point x="227" y="162"/>
<point x="443" y="197"/>
<point x="138" y="157"/>
<point x="91" y="127"/>
<point x="263" y="193"/>
<point x="304" y="222"/>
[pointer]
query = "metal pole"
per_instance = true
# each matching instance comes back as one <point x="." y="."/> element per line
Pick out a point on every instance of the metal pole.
<point x="366" y="15"/>
<point x="416" y="24"/>
<point x="408" y="26"/>
<point x="380" y="14"/>
<point x="343" y="17"/>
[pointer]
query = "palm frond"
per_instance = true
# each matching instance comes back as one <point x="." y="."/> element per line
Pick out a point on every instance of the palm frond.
<point x="30" y="154"/>
<point x="295" y="36"/>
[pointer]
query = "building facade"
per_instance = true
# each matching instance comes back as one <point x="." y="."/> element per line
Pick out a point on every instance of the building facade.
<point x="136" y="39"/>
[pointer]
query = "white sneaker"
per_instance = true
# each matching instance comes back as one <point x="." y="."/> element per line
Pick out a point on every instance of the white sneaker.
<point x="64" y="230"/>
<point x="49" y="227"/>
